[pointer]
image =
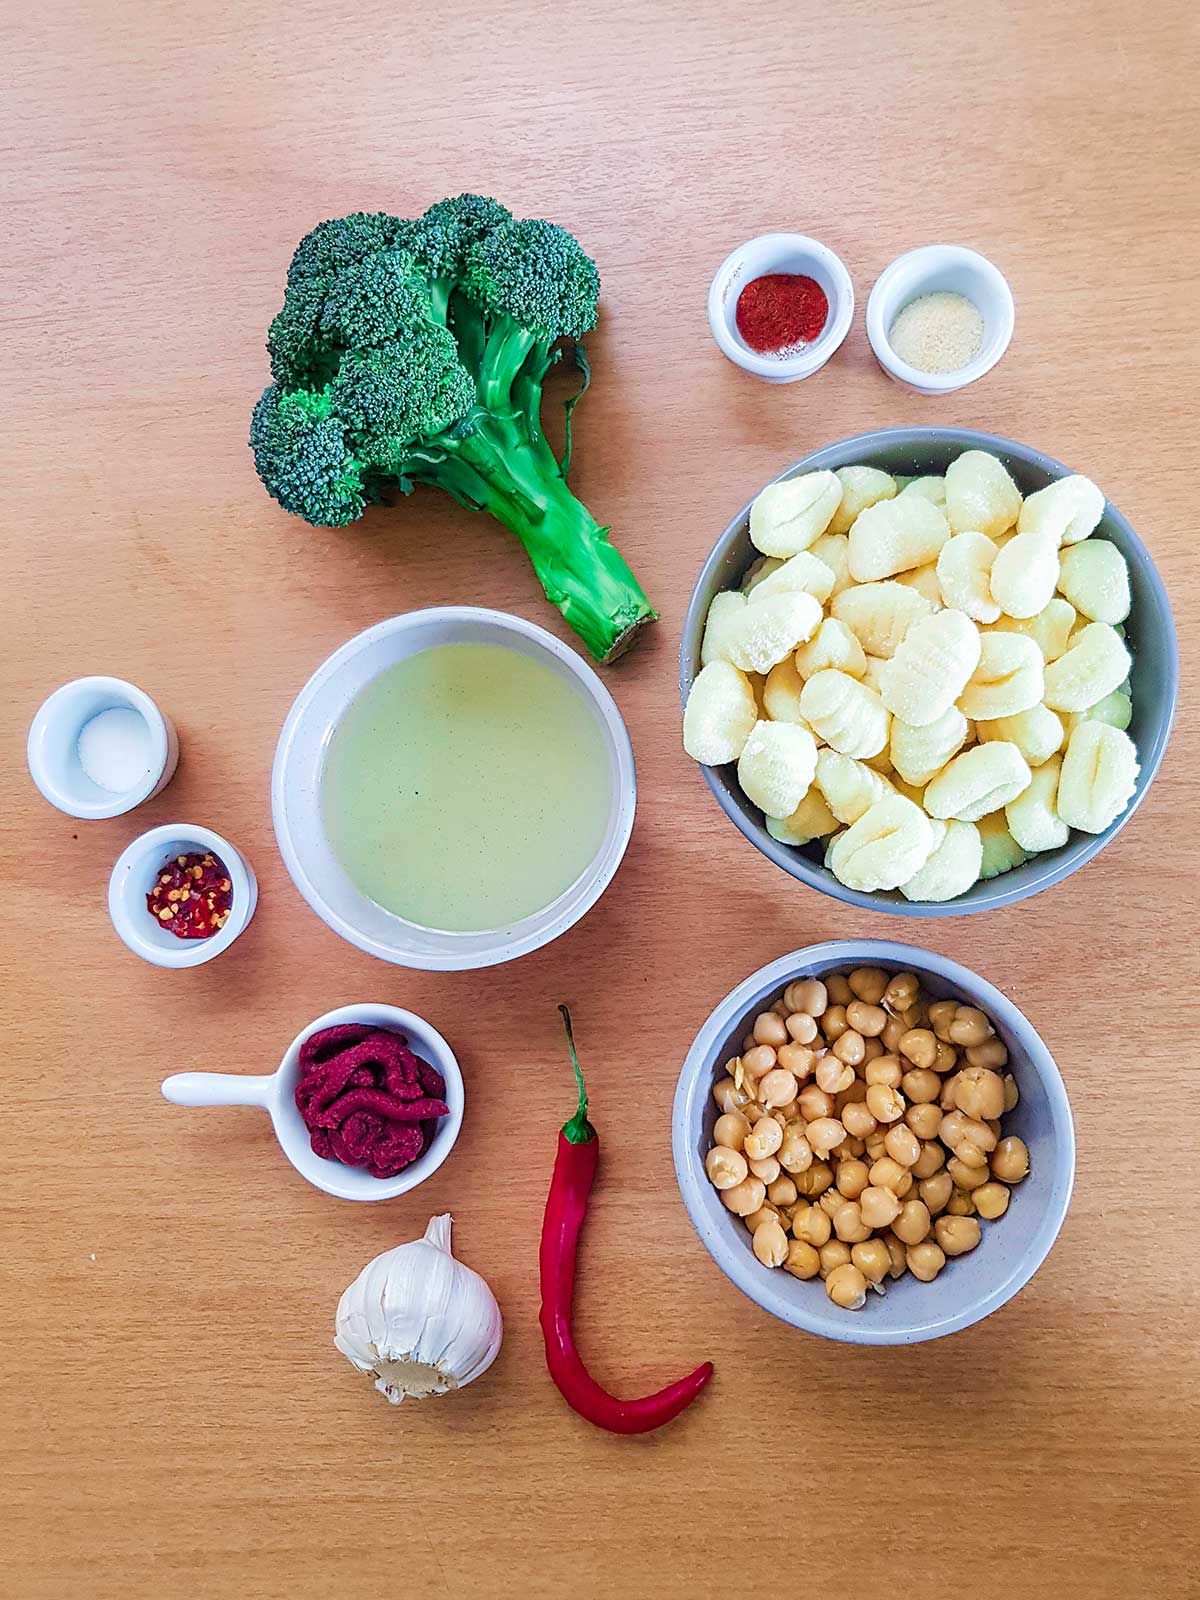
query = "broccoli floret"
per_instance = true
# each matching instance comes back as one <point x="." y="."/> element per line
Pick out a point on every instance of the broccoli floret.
<point x="413" y="352"/>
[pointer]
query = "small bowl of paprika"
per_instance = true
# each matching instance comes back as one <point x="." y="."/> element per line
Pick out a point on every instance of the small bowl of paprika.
<point x="780" y="305"/>
<point x="179" y="895"/>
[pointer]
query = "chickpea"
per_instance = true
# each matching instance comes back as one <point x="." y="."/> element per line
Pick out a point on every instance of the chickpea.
<point x="878" y="1206"/>
<point x="935" y="1192"/>
<point x="932" y="1159"/>
<point x="893" y="1033"/>
<point x="726" y="1167"/>
<point x="857" y="1119"/>
<point x="765" y="1213"/>
<point x="991" y="1053"/>
<point x="872" y="1049"/>
<point x="884" y="1104"/>
<point x="913" y="1222"/>
<point x="885" y="1070"/>
<point x="801" y="1028"/>
<point x="874" y="1144"/>
<point x="745" y="1197"/>
<point x="815" y="1179"/>
<point x="916" y="1016"/>
<point x="748" y="1042"/>
<point x="848" y="1223"/>
<point x="921" y="1086"/>
<point x="814" y="1103"/>
<point x="797" y="1059"/>
<point x="872" y="1259"/>
<point x="769" y="1029"/>
<point x="846" y="1287"/>
<point x="947" y="1058"/>
<point x="781" y="1191"/>
<point x="813" y="1226"/>
<point x="831" y="1202"/>
<point x="920" y="1047"/>
<point x="834" y="1024"/>
<point x="852" y="1178"/>
<point x="991" y="1200"/>
<point x="896" y="1254"/>
<point x="925" y="1260"/>
<point x="730" y="1129"/>
<point x="834" y="1254"/>
<point x="869" y="984"/>
<point x="833" y="1075"/>
<point x="850" y="1148"/>
<point x="854" y="1093"/>
<point x="1010" y="1160"/>
<point x="957" y="1128"/>
<point x="902" y="1144"/>
<point x="770" y="1244"/>
<point x="941" y="1015"/>
<point x="729" y="1097"/>
<point x="924" y="1120"/>
<point x="839" y="991"/>
<point x="949" y="1091"/>
<point x="824" y="1135"/>
<point x="888" y="1174"/>
<point x="787" y="1114"/>
<point x="979" y="1092"/>
<point x="759" y="1059"/>
<point x="767" y="1169"/>
<point x="960" y="1204"/>
<point x="794" y="1153"/>
<point x="970" y="1155"/>
<point x="902" y="991"/>
<point x="956" y="1235"/>
<point x="994" y="1124"/>
<point x="966" y="1177"/>
<point x="969" y="1027"/>
<point x="802" y="1261"/>
<point x="808" y="994"/>
<point x="780" y="1008"/>
<point x="851" y="1047"/>
<point x="777" y="1087"/>
<point x="867" y="1020"/>
<point x="764" y="1139"/>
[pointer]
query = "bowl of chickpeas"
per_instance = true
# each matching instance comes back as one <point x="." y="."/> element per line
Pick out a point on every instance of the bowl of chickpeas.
<point x="929" y="671"/>
<point x="873" y="1143"/>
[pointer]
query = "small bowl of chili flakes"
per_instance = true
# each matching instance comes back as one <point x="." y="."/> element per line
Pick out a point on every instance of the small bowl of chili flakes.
<point x="180" y="895"/>
<point x="780" y="305"/>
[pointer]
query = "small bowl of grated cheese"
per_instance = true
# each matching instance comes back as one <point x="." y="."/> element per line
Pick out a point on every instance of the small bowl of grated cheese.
<point x="939" y="317"/>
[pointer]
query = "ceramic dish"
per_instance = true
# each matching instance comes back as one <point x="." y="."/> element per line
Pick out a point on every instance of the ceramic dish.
<point x="276" y="1093"/>
<point x="970" y="1287"/>
<point x="933" y="269"/>
<point x="296" y="785"/>
<point x="1150" y="635"/>
<point x="134" y="876"/>
<point x="53" y="747"/>
<point x="780" y="252"/>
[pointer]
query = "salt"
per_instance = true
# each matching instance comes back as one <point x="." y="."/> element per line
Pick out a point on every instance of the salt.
<point x="114" y="749"/>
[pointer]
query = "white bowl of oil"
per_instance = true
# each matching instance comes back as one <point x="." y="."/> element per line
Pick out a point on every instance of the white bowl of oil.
<point x="452" y="789"/>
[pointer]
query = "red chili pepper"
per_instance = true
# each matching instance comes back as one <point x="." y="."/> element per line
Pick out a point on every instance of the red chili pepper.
<point x="566" y="1206"/>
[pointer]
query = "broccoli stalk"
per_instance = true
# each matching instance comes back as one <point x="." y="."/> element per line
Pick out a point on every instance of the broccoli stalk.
<point x="415" y="352"/>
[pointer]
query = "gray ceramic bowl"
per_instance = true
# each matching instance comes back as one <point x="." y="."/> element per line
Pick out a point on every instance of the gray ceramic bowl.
<point x="969" y="1287"/>
<point x="1150" y="631"/>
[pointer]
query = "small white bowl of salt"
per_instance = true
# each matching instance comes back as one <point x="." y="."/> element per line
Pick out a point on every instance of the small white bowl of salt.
<point x="939" y="318"/>
<point x="98" y="747"/>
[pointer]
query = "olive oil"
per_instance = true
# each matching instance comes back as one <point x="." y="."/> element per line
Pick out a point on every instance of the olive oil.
<point x="467" y="787"/>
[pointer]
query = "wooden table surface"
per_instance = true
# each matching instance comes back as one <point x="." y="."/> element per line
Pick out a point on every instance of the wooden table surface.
<point x="176" y="1420"/>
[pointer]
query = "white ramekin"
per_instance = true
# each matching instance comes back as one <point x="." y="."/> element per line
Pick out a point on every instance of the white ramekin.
<point x="780" y="252"/>
<point x="932" y="269"/>
<point x="296" y="792"/>
<point x="53" y="747"/>
<point x="134" y="876"/>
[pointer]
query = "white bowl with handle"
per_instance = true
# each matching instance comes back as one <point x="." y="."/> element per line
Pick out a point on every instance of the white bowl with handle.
<point x="275" y="1093"/>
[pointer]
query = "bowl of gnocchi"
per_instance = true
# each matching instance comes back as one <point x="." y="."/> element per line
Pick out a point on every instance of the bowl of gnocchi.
<point x="929" y="671"/>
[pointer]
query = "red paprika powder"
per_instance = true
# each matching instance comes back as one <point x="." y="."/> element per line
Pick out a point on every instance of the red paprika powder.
<point x="780" y="311"/>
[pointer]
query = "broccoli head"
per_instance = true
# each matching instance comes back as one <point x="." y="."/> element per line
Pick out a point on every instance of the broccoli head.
<point x="414" y="352"/>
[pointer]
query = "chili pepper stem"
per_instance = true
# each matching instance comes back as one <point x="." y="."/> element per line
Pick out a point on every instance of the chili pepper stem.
<point x="578" y="1130"/>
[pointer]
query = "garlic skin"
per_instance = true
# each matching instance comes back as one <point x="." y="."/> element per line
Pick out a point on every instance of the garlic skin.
<point x="418" y="1321"/>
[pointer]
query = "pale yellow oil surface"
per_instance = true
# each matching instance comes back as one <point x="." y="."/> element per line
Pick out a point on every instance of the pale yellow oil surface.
<point x="467" y="787"/>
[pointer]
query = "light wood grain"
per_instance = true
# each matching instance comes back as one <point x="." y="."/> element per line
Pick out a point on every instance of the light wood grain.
<point x="177" y="1422"/>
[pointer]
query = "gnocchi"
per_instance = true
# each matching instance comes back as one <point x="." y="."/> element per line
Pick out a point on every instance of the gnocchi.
<point x="789" y="516"/>
<point x="925" y="677"/>
<point x="1098" y="778"/>
<point x="845" y="713"/>
<point x="776" y="766"/>
<point x="931" y="667"/>
<point x="894" y="536"/>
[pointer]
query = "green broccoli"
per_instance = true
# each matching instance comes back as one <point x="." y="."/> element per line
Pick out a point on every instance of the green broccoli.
<point x="415" y="352"/>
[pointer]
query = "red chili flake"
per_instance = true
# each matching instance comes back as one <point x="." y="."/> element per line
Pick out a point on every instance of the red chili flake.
<point x="192" y="895"/>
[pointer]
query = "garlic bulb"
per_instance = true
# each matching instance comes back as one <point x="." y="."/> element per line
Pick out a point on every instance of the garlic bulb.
<point x="419" y="1321"/>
